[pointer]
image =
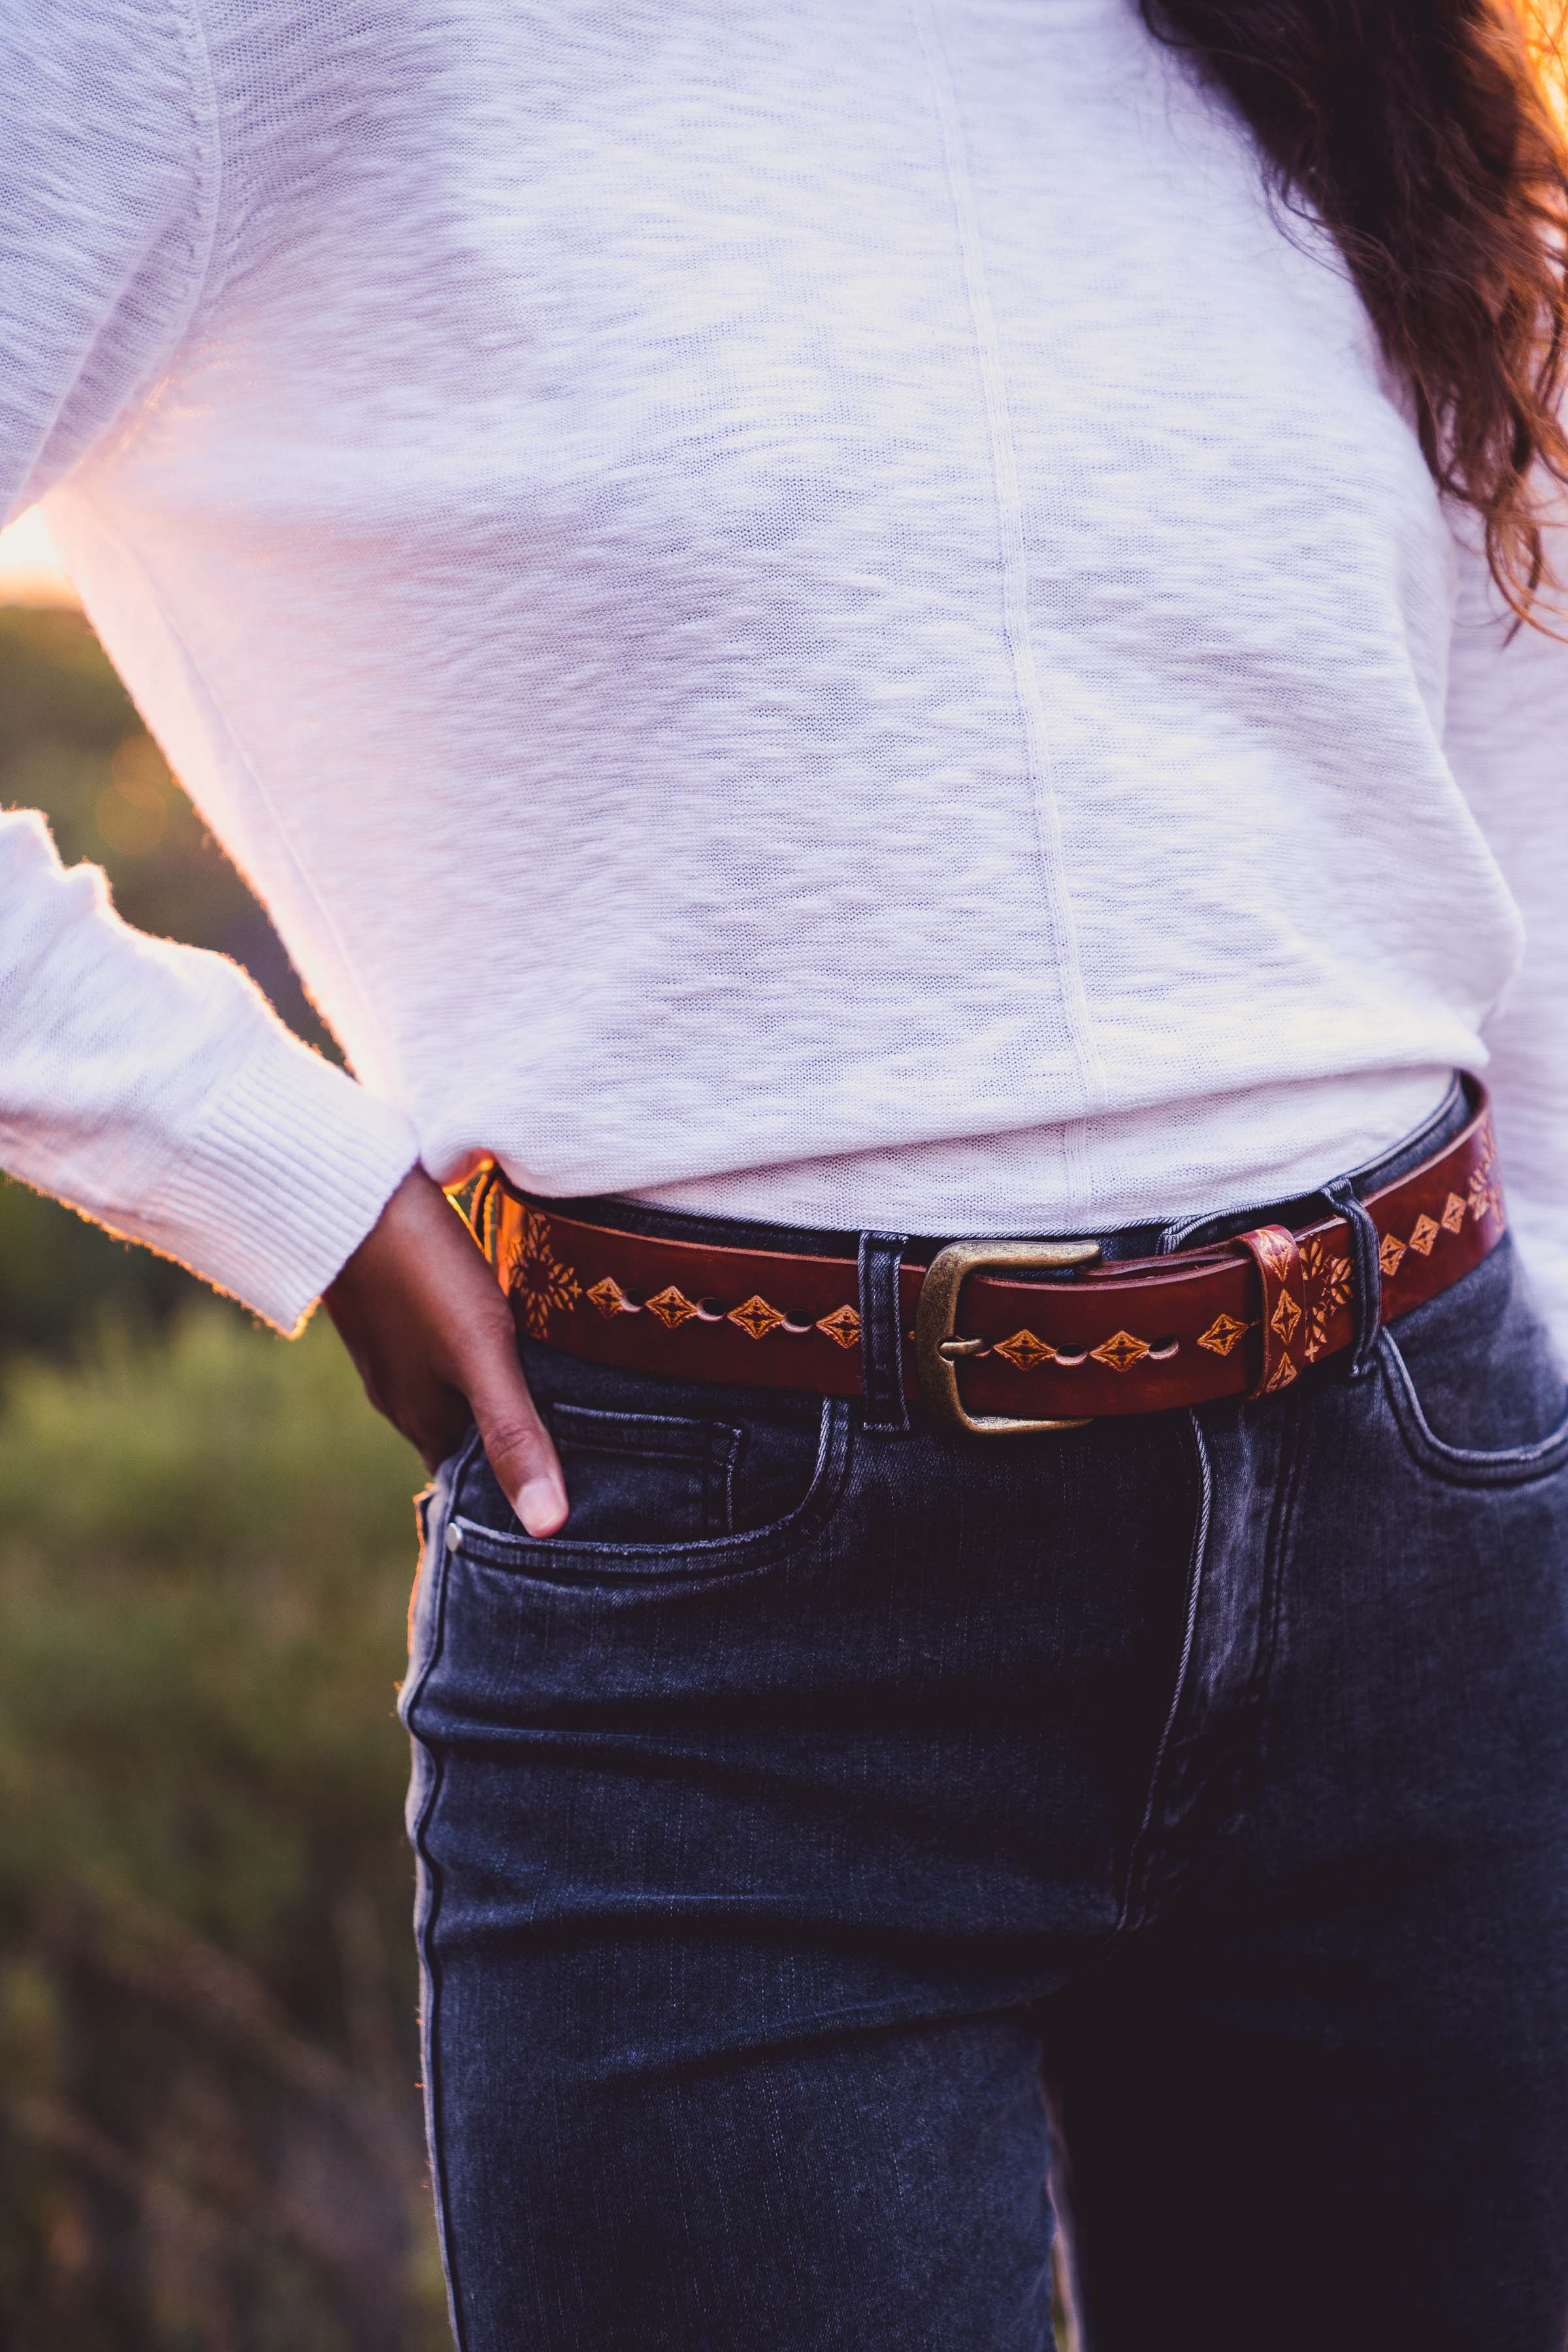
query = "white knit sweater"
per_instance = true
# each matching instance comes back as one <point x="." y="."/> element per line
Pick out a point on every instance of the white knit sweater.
<point x="804" y="607"/>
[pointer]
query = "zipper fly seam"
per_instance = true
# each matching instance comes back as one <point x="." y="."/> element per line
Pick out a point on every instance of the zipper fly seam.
<point x="1294" y="1446"/>
<point x="1141" y="1871"/>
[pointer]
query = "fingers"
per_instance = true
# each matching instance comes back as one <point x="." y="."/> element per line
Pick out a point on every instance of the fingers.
<point x="420" y="1313"/>
<point x="437" y="1427"/>
<point x="527" y="1467"/>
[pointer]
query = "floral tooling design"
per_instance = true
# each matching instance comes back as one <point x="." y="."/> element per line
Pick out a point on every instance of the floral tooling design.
<point x="536" y="1279"/>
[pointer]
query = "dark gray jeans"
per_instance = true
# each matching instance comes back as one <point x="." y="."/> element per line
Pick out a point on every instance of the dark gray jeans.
<point x="843" y="1842"/>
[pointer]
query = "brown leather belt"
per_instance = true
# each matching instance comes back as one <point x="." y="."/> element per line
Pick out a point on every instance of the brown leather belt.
<point x="986" y="1351"/>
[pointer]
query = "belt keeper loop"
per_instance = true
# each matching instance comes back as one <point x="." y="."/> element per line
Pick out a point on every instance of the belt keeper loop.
<point x="1282" y="1323"/>
<point x="881" y="1331"/>
<point x="1366" y="1265"/>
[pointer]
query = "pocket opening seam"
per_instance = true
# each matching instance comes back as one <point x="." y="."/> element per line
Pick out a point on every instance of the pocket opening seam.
<point x="829" y="1475"/>
<point x="660" y="1436"/>
<point x="711" y="1448"/>
<point x="1462" y="1465"/>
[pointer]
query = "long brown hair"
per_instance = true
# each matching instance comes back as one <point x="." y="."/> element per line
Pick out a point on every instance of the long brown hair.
<point x="1424" y="136"/>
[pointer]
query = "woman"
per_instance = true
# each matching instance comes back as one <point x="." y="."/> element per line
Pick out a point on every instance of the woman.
<point x="833" y="632"/>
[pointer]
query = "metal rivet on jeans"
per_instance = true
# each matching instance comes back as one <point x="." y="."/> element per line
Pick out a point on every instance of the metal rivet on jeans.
<point x="454" y="1538"/>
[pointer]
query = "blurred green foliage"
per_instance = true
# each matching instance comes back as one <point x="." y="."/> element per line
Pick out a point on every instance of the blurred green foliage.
<point x="207" y="2063"/>
<point x="209" y="2123"/>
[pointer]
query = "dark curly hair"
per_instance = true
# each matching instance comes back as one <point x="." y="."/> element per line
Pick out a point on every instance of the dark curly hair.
<point x="1426" y="136"/>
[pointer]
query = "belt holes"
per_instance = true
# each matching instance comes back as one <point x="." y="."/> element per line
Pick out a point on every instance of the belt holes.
<point x="1071" y="1363"/>
<point x="711" y="1310"/>
<point x="796" y="1327"/>
<point x="1165" y="1351"/>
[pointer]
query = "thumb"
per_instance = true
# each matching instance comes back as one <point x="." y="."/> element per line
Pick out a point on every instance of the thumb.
<point x="516" y="1442"/>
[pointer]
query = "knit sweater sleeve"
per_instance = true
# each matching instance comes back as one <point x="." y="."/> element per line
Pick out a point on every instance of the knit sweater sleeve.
<point x="1507" y="740"/>
<point x="146" y="1083"/>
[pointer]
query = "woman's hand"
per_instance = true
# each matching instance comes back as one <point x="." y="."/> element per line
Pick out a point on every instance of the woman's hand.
<point x="431" y="1334"/>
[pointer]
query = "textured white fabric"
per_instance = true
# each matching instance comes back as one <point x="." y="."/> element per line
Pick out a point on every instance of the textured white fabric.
<point x="800" y="606"/>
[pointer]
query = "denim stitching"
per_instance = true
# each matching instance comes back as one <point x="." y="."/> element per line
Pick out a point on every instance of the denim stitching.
<point x="1367" y="1300"/>
<point x="730" y="1454"/>
<point x="713" y="1555"/>
<point x="429" y="1902"/>
<point x="1289" y="1476"/>
<point x="1140" y="1859"/>
<point x="881" y="1340"/>
<point x="1458" y="1465"/>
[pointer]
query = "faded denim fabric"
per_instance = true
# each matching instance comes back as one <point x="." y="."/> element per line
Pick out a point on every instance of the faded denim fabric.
<point x="841" y="1841"/>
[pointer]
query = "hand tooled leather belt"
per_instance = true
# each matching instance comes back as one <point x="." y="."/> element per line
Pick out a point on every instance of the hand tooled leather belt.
<point x="986" y="1351"/>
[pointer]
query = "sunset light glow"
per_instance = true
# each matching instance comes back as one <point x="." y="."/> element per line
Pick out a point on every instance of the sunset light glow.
<point x="29" y="567"/>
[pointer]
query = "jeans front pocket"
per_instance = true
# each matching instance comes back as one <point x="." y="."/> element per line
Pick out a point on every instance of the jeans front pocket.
<point x="1475" y="1382"/>
<point x="635" y="1476"/>
<point x="662" y="1477"/>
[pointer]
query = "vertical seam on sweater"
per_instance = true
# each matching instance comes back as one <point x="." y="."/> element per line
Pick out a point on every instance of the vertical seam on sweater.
<point x="121" y="429"/>
<point x="1013" y="551"/>
<point x="203" y="77"/>
<point x="203" y="244"/>
<point x="224" y="729"/>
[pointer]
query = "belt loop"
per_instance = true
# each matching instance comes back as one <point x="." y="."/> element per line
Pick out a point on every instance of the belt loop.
<point x="1367" y="1266"/>
<point x="881" y="1331"/>
<point x="1283" y="1300"/>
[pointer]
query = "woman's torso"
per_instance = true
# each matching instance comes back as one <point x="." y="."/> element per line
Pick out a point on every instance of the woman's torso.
<point x="806" y="609"/>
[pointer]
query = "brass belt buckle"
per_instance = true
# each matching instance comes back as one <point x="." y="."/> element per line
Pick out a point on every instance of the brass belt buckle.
<point x="938" y="1350"/>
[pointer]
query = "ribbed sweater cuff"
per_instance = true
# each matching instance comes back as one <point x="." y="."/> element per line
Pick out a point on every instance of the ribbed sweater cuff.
<point x="285" y="1176"/>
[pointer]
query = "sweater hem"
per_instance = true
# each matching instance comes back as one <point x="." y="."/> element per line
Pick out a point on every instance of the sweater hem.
<point x="281" y="1182"/>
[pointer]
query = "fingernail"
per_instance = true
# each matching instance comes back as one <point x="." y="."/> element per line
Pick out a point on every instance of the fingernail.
<point x="542" y="1506"/>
